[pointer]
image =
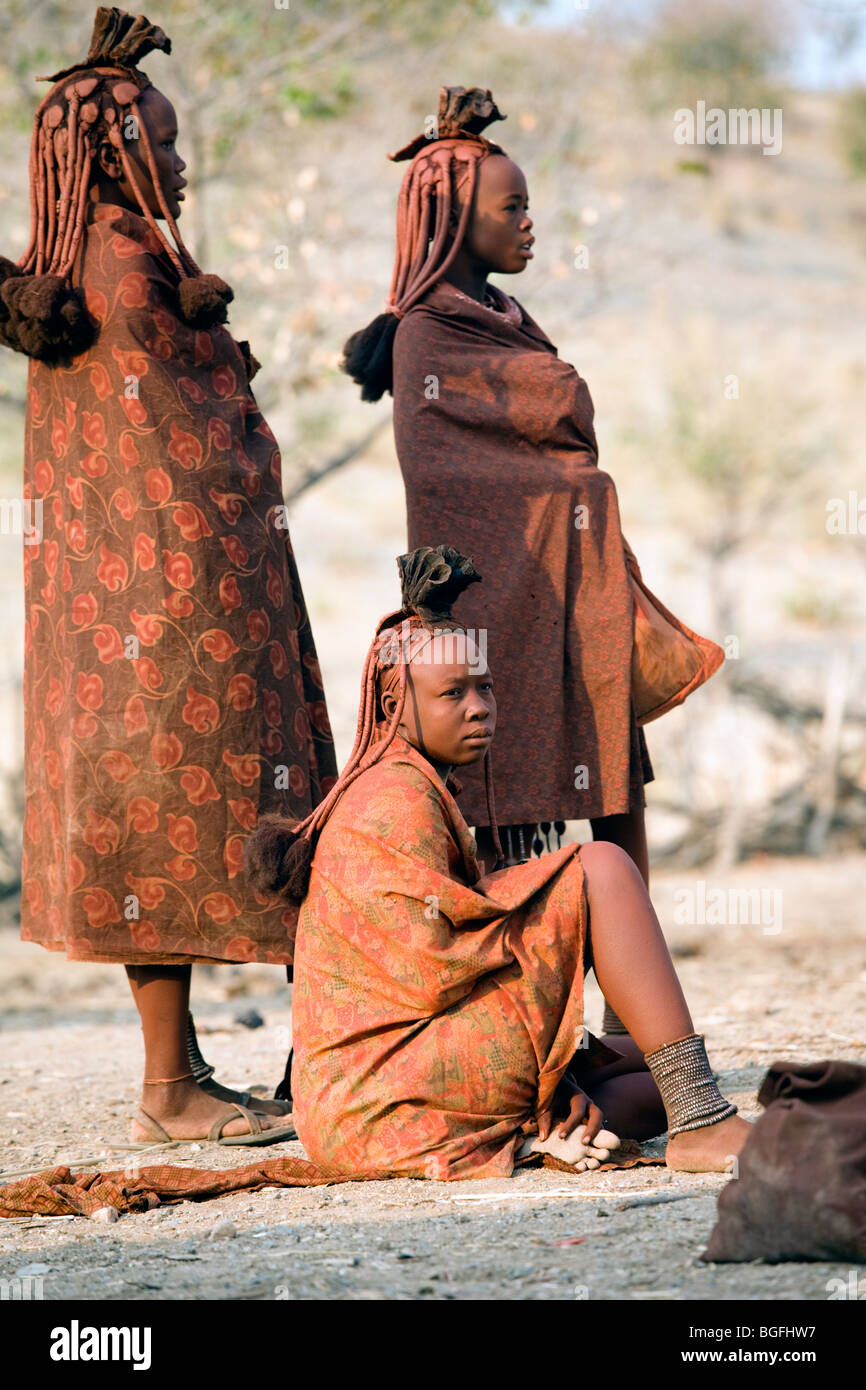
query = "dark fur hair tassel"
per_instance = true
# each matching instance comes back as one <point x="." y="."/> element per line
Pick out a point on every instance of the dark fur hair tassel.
<point x="368" y="357"/>
<point x="43" y="317"/>
<point x="204" y="300"/>
<point x="277" y="859"/>
<point x="7" y="269"/>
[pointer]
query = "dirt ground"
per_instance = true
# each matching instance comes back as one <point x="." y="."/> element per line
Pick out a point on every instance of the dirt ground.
<point x="72" y="1059"/>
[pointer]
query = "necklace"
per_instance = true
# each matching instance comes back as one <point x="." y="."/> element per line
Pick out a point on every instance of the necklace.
<point x="488" y="302"/>
<point x="492" y="302"/>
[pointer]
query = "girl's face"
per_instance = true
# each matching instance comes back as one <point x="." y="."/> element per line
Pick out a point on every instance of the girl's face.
<point x="450" y="709"/>
<point x="499" y="235"/>
<point x="159" y="115"/>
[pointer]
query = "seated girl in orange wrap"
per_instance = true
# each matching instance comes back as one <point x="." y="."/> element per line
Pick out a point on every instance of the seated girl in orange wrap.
<point x="438" y="1014"/>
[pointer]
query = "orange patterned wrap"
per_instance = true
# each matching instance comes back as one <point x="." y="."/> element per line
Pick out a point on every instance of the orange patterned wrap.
<point x="434" y="1012"/>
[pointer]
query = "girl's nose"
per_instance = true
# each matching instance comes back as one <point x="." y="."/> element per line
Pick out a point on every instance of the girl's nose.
<point x="478" y="708"/>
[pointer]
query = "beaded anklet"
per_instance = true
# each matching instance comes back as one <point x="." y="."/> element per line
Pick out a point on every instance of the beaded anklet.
<point x="691" y="1098"/>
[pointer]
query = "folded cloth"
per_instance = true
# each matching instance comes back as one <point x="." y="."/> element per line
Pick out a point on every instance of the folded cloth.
<point x="800" y="1190"/>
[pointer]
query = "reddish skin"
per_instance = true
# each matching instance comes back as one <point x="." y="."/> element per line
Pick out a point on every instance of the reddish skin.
<point x="450" y="709"/>
<point x="111" y="184"/>
<point x="499" y="228"/>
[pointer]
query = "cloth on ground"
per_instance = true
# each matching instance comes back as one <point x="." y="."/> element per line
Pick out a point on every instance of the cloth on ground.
<point x="59" y="1192"/>
<point x="800" y="1193"/>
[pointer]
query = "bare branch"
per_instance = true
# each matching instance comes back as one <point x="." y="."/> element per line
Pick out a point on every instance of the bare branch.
<point x="316" y="475"/>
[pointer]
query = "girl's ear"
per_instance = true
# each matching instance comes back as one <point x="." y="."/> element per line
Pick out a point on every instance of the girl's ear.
<point x="389" y="704"/>
<point x="109" y="161"/>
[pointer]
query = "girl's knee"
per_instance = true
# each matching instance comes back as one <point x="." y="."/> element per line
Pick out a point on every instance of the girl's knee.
<point x="602" y="857"/>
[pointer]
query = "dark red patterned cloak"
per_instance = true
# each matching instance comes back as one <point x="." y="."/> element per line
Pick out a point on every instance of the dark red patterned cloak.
<point x="171" y="686"/>
<point x="495" y="439"/>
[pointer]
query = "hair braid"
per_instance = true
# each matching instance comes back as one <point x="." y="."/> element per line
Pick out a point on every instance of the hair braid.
<point x="53" y="173"/>
<point x="491" y="808"/>
<point x="41" y="312"/>
<point x="191" y="267"/>
<point x="119" y="145"/>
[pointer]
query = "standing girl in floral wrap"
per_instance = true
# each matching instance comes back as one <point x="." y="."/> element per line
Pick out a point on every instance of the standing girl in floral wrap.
<point x="172" y="691"/>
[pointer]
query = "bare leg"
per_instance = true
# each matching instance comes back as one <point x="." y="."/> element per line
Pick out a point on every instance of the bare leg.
<point x="629" y="953"/>
<point x="185" y="1111"/>
<point x="636" y="974"/>
<point x="626" y="1093"/>
<point x="631" y="1105"/>
<point x="629" y="832"/>
<point x="213" y="1088"/>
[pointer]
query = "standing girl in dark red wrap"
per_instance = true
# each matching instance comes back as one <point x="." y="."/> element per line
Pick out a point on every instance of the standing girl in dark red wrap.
<point x="496" y="443"/>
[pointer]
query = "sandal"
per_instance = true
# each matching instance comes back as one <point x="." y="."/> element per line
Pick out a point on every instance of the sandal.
<point x="258" y="1134"/>
<point x="246" y="1099"/>
<point x="203" y="1073"/>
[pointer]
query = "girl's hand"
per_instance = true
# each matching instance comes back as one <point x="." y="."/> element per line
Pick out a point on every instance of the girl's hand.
<point x="581" y="1108"/>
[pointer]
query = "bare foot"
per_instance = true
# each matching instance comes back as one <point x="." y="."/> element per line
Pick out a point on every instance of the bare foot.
<point x="709" y="1150"/>
<point x="185" y="1111"/>
<point x="572" y="1149"/>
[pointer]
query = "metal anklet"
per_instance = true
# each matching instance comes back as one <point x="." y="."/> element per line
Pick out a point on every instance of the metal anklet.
<point x="612" y="1024"/>
<point x="201" y="1069"/>
<point x="691" y="1098"/>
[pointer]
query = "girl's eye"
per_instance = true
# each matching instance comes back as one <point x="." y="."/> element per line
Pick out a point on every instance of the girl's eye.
<point x="168" y="144"/>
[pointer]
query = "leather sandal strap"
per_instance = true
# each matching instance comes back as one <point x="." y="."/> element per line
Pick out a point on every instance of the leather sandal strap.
<point x="153" y="1127"/>
<point x="250" y="1116"/>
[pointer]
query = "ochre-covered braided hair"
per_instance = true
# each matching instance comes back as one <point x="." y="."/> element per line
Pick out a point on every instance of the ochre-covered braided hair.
<point x="443" y="174"/>
<point x="41" y="313"/>
<point x="279" y="853"/>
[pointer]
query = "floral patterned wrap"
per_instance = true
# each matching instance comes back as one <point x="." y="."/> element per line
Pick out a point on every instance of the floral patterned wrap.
<point x="434" y="1012"/>
<point x="172" y="691"/>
